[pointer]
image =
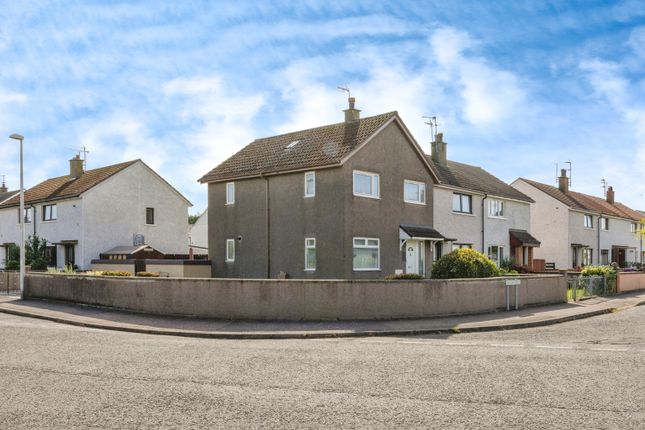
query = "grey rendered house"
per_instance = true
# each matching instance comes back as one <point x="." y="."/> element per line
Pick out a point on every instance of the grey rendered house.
<point x="475" y="209"/>
<point x="347" y="201"/>
<point x="579" y="229"/>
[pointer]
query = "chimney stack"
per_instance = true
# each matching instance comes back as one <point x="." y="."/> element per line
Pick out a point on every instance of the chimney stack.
<point x="563" y="181"/>
<point x="3" y="187"/>
<point x="439" y="150"/>
<point x="76" y="167"/>
<point x="352" y="114"/>
<point x="610" y="195"/>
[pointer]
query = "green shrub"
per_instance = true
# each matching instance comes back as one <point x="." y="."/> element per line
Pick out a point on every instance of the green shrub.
<point x="464" y="263"/>
<point x="12" y="265"/>
<point x="117" y="273"/>
<point x="598" y="271"/>
<point x="148" y="274"/>
<point x="403" y="276"/>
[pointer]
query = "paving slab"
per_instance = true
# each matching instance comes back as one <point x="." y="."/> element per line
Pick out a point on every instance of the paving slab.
<point x="114" y="319"/>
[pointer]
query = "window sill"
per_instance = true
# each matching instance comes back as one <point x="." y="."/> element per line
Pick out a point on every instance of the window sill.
<point x="497" y="217"/>
<point x="151" y="225"/>
<point x="415" y="203"/>
<point x="49" y="221"/>
<point x="463" y="214"/>
<point x="309" y="197"/>
<point x="368" y="196"/>
<point x="229" y="204"/>
<point x="588" y="228"/>
<point x="229" y="261"/>
<point x="367" y="270"/>
<point x="310" y="270"/>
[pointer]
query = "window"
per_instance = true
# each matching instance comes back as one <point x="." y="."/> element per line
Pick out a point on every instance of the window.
<point x="604" y="257"/>
<point x="310" y="254"/>
<point x="462" y="245"/>
<point x="496" y="208"/>
<point x="28" y="214"/>
<point x="587" y="256"/>
<point x="588" y="221"/>
<point x="366" y="184"/>
<point x="230" y="193"/>
<point x="310" y="184"/>
<point x="49" y="212"/>
<point x="461" y="203"/>
<point x="634" y="227"/>
<point x="604" y="223"/>
<point x="414" y="192"/>
<point x="50" y="256"/>
<point x="366" y="254"/>
<point x="230" y="250"/>
<point x="150" y="216"/>
<point x="496" y="253"/>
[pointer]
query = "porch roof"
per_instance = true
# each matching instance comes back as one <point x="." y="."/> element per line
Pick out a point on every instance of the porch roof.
<point x="522" y="238"/>
<point x="420" y="232"/>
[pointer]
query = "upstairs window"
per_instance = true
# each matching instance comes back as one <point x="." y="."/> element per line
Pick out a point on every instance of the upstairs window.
<point x="366" y="184"/>
<point x="28" y="215"/>
<point x="49" y="212"/>
<point x="604" y="223"/>
<point x="150" y="216"/>
<point x="634" y="227"/>
<point x="496" y="208"/>
<point x="230" y="193"/>
<point x="588" y="221"/>
<point x="462" y="203"/>
<point x="414" y="192"/>
<point x="310" y="184"/>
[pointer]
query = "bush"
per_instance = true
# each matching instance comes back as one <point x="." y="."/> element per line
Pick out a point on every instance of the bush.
<point x="403" y="276"/>
<point x="117" y="273"/>
<point x="464" y="263"/>
<point x="598" y="271"/>
<point x="12" y="265"/>
<point x="148" y="274"/>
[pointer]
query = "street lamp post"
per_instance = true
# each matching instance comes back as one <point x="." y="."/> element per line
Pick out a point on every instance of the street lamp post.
<point x="22" y="218"/>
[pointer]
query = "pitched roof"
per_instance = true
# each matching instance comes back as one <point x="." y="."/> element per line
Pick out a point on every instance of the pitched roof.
<point x="4" y="196"/>
<point x="315" y="147"/>
<point x="586" y="202"/>
<point x="475" y="178"/>
<point x="64" y="187"/>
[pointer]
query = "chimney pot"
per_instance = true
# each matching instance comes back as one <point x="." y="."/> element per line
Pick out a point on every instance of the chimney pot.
<point x="563" y="181"/>
<point x="76" y="167"/>
<point x="610" y="195"/>
<point x="352" y="114"/>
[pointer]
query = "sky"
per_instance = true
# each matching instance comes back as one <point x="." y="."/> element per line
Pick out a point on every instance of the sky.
<point x="517" y="86"/>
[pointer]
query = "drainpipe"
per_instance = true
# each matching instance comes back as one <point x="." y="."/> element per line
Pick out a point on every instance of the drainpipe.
<point x="484" y="224"/>
<point x="268" y="223"/>
<point x="33" y="217"/>
<point x="598" y="252"/>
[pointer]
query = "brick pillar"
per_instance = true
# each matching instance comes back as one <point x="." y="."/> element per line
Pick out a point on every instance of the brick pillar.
<point x="530" y="262"/>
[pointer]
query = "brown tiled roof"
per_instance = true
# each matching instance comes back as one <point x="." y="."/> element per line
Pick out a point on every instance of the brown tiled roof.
<point x="476" y="179"/>
<point x="315" y="147"/>
<point x="586" y="202"/>
<point x="64" y="187"/>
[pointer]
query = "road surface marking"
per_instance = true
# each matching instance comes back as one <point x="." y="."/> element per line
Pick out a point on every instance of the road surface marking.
<point x="553" y="347"/>
<point x="508" y="345"/>
<point x="609" y="349"/>
<point x="461" y="344"/>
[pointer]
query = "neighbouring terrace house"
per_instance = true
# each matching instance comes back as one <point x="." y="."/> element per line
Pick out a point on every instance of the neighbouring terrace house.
<point x="348" y="200"/>
<point x="85" y="213"/>
<point x="579" y="229"/>
<point x="475" y="209"/>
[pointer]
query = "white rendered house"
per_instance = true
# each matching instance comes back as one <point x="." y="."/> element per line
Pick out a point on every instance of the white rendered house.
<point x="88" y="212"/>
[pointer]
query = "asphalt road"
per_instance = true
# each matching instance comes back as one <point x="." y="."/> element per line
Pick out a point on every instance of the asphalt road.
<point x="584" y="374"/>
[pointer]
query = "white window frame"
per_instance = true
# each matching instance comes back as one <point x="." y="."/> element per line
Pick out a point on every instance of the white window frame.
<point x="461" y="196"/>
<point x="27" y="215"/>
<point x="230" y="258"/>
<point x="422" y="192"/>
<point x="367" y="246"/>
<point x="312" y="175"/>
<point x="606" y="222"/>
<point x="230" y="193"/>
<point x="310" y="243"/>
<point x="634" y="227"/>
<point x="53" y="213"/>
<point x="500" y="253"/>
<point x="496" y="208"/>
<point x="584" y="222"/>
<point x="375" y="184"/>
<point x="456" y="246"/>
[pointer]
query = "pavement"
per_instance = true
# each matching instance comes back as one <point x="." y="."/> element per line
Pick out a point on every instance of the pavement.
<point x="112" y="319"/>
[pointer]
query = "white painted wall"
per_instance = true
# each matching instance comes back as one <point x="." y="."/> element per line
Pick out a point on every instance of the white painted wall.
<point x="115" y="210"/>
<point x="619" y="234"/>
<point x="468" y="228"/>
<point x="549" y="220"/>
<point x="199" y="233"/>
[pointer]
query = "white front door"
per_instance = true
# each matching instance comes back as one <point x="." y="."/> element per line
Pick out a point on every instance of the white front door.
<point x="414" y="257"/>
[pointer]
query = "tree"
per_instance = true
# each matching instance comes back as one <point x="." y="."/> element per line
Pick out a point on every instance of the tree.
<point x="13" y="258"/>
<point x="192" y="219"/>
<point x="35" y="252"/>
